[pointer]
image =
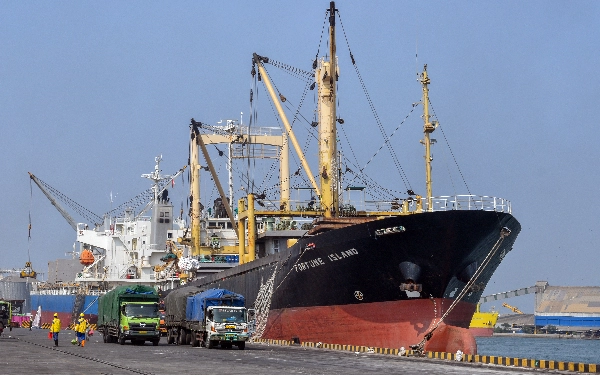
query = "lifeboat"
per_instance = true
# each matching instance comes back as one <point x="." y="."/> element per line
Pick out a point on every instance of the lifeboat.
<point x="86" y="258"/>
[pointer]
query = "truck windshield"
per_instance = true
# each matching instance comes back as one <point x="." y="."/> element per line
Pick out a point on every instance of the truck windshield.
<point x="229" y="315"/>
<point x="141" y="311"/>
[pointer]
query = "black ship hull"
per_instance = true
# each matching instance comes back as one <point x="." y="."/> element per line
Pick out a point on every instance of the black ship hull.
<point x="359" y="270"/>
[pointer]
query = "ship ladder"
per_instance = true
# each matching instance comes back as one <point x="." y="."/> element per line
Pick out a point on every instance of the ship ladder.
<point x="504" y="232"/>
<point x="77" y="307"/>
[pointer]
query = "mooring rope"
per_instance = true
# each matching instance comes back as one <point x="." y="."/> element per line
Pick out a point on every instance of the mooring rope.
<point x="504" y="232"/>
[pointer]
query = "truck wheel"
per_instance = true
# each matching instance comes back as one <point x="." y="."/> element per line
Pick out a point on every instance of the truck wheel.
<point x="194" y="340"/>
<point x="241" y="345"/>
<point x="188" y="337"/>
<point x="170" y="337"/>
<point x="210" y="344"/>
<point x="121" y="339"/>
<point x="105" y="338"/>
<point x="155" y="342"/>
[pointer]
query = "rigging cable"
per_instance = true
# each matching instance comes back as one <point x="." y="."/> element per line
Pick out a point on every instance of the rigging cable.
<point x="84" y="212"/>
<point x="449" y="148"/>
<point x="311" y="132"/>
<point x="253" y="118"/>
<point x="504" y="232"/>
<point x="375" y="115"/>
<point x="320" y="40"/>
<point x="372" y="183"/>
<point x="29" y="234"/>
<point x="387" y="141"/>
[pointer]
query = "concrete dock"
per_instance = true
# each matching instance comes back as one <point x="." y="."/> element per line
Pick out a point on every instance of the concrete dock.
<point x="23" y="351"/>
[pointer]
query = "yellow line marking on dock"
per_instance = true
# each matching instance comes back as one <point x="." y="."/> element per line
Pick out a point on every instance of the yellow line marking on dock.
<point x="495" y="360"/>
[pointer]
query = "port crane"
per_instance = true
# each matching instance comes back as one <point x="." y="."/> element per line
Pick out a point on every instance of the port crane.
<point x="539" y="287"/>
<point x="514" y="309"/>
<point x="536" y="289"/>
<point x="54" y="195"/>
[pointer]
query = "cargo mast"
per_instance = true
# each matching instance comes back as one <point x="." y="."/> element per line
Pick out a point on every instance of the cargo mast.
<point x="428" y="128"/>
<point x="195" y="192"/>
<point x="326" y="75"/>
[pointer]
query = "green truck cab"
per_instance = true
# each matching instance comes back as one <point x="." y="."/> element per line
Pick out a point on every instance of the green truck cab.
<point x="129" y="313"/>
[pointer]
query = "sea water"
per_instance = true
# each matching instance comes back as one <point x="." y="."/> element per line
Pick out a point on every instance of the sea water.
<point x="556" y="349"/>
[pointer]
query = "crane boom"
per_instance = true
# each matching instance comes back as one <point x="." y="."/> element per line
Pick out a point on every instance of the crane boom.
<point x="513" y="293"/>
<point x="514" y="309"/>
<point x="54" y="202"/>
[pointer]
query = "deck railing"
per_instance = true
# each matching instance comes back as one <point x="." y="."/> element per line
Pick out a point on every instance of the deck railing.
<point x="440" y="203"/>
<point x="469" y="202"/>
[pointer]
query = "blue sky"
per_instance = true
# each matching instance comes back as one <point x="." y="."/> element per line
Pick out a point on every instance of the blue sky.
<point x="91" y="92"/>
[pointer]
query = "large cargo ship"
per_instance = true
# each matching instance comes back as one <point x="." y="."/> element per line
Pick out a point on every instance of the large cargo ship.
<point x="406" y="276"/>
<point x="406" y="272"/>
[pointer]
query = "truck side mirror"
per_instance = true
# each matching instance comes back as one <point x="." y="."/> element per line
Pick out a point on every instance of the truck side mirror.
<point x="251" y="313"/>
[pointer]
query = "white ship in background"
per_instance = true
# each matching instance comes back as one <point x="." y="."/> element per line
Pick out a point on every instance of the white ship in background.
<point x="129" y="248"/>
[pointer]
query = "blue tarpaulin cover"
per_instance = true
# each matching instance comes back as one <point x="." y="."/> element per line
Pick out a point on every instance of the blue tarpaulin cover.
<point x="196" y="304"/>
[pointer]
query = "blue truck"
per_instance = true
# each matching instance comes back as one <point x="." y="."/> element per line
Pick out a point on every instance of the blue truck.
<point x="208" y="318"/>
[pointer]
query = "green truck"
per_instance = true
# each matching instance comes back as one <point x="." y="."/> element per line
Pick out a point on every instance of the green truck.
<point x="129" y="313"/>
<point x="5" y="316"/>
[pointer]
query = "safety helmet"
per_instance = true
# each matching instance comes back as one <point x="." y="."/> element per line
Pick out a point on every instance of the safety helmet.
<point x="81" y="314"/>
<point x="56" y="315"/>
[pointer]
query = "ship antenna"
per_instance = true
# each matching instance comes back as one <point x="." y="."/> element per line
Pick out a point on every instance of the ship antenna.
<point x="417" y="55"/>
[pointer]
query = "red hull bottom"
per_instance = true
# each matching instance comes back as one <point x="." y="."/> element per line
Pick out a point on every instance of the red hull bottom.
<point x="392" y="324"/>
<point x="482" y="332"/>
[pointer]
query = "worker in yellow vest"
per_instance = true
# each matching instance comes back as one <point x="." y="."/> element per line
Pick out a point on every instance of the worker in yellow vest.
<point x="55" y="328"/>
<point x="81" y="329"/>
